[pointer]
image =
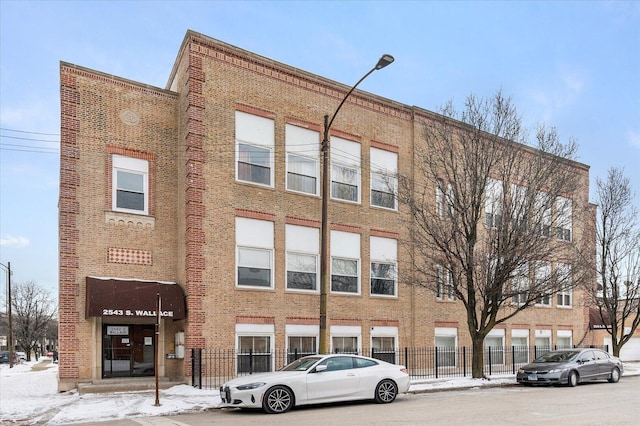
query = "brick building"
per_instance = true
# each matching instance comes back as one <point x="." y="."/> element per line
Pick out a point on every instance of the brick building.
<point x="207" y="193"/>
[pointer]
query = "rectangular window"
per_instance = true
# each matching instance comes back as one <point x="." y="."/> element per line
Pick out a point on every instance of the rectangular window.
<point x="493" y="203"/>
<point x="344" y="275"/>
<point x="383" y="253"/>
<point x="254" y="354"/>
<point x="519" y="208"/>
<point x="543" y="278"/>
<point x="345" y="344"/>
<point x="565" y="296"/>
<point x="345" y="170"/>
<point x="302" y="257"/>
<point x="254" y="253"/>
<point x="444" y="277"/>
<point x="384" y="348"/>
<point x="384" y="183"/>
<point x="520" y="347"/>
<point x="254" y="149"/>
<point x="303" y="165"/>
<point x="444" y="199"/>
<point x="542" y="219"/>
<point x="494" y="348"/>
<point x="299" y="346"/>
<point x="564" y="339"/>
<point x="130" y="184"/>
<point x="446" y="346"/>
<point x="564" y="211"/>
<point x="520" y="285"/>
<point x="345" y="262"/>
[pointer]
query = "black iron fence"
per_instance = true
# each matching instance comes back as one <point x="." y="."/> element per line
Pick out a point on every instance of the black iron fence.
<point x="210" y="368"/>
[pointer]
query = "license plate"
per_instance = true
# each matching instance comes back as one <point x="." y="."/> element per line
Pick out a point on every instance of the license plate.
<point x="533" y="377"/>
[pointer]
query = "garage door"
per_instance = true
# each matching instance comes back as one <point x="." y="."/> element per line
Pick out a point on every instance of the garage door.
<point x="630" y="351"/>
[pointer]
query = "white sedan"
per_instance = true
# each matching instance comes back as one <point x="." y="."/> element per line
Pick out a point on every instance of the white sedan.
<point x="317" y="379"/>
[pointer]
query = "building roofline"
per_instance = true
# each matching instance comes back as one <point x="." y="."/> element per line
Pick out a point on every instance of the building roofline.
<point x="78" y="69"/>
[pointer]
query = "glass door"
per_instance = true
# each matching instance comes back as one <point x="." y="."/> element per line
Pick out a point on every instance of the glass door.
<point x="128" y="351"/>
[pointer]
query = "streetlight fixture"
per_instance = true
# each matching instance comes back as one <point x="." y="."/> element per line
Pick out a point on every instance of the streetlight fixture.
<point x="9" y="313"/>
<point x="324" y="237"/>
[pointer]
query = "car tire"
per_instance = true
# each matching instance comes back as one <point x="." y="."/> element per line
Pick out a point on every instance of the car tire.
<point x="615" y="375"/>
<point x="573" y="379"/>
<point x="386" y="392"/>
<point x="277" y="400"/>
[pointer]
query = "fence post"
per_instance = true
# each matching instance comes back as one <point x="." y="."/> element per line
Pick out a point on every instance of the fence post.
<point x="436" y="361"/>
<point x="513" y="359"/>
<point x="464" y="361"/>
<point x="406" y="358"/>
<point x="490" y="361"/>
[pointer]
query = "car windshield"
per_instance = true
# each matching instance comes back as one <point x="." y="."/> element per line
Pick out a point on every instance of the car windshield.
<point x="557" y="356"/>
<point x="302" y="364"/>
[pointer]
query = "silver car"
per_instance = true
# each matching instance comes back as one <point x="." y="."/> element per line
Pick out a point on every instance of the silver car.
<point x="570" y="367"/>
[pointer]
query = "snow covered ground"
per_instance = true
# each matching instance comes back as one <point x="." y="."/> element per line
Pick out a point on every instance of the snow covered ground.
<point x="28" y="396"/>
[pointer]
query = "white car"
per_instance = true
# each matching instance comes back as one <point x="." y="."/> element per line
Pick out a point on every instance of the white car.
<point x="317" y="379"/>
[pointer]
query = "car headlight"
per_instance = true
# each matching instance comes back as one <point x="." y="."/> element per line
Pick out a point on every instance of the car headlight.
<point x="520" y="370"/>
<point x="557" y="370"/>
<point x="250" y="386"/>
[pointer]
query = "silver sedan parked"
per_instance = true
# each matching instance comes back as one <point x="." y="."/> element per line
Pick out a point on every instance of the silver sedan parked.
<point x="570" y="367"/>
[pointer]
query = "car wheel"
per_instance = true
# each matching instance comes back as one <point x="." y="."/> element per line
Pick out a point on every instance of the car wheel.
<point x="572" y="380"/>
<point x="386" y="392"/>
<point x="615" y="375"/>
<point x="278" y="399"/>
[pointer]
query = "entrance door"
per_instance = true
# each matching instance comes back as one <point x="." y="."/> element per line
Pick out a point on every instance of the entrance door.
<point x="127" y="350"/>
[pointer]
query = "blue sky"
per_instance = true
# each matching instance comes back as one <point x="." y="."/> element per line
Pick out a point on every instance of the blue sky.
<point x="573" y="65"/>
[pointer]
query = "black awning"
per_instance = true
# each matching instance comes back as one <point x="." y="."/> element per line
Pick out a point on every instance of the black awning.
<point x="126" y="298"/>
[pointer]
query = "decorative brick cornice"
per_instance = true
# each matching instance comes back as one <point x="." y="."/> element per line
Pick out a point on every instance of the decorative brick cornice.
<point x="384" y="146"/>
<point x="384" y="234"/>
<point x="291" y="220"/>
<point x="345" y="228"/>
<point x="261" y="112"/>
<point x="251" y="62"/>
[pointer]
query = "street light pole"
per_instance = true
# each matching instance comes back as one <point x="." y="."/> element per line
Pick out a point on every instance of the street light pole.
<point x="9" y="313"/>
<point x="324" y="231"/>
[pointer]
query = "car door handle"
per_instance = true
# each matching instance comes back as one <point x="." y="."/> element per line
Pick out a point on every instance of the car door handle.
<point x="351" y="374"/>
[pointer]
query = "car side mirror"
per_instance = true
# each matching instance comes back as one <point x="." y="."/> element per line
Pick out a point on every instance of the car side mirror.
<point x="320" y="368"/>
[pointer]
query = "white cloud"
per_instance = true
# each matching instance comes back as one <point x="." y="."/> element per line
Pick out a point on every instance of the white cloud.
<point x="14" y="241"/>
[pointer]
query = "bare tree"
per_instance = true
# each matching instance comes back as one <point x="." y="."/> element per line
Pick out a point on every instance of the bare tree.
<point x="33" y="310"/>
<point x="487" y="213"/>
<point x="617" y="296"/>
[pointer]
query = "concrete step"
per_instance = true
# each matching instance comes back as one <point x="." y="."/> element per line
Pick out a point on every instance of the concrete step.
<point x="127" y="384"/>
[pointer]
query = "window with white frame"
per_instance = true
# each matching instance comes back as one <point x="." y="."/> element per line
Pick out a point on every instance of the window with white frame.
<point x="564" y="339"/>
<point x="542" y="219"/>
<point x="384" y="182"/>
<point x="130" y="185"/>
<point x="345" y="339"/>
<point x="254" y="149"/>
<point x="542" y="342"/>
<point x="302" y="340"/>
<point x="446" y="342"/>
<point x="493" y="203"/>
<point x="444" y="199"/>
<point x="254" y="348"/>
<point x="345" y="262"/>
<point x="565" y="295"/>
<point x="444" y="278"/>
<point x="520" y="284"/>
<point x="384" y="277"/>
<point x="542" y="279"/>
<point x="345" y="170"/>
<point x="519" y="209"/>
<point x="303" y="164"/>
<point x="384" y="343"/>
<point x="564" y="211"/>
<point x="302" y="257"/>
<point x="254" y="253"/>
<point x="520" y="345"/>
<point x="494" y="347"/>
